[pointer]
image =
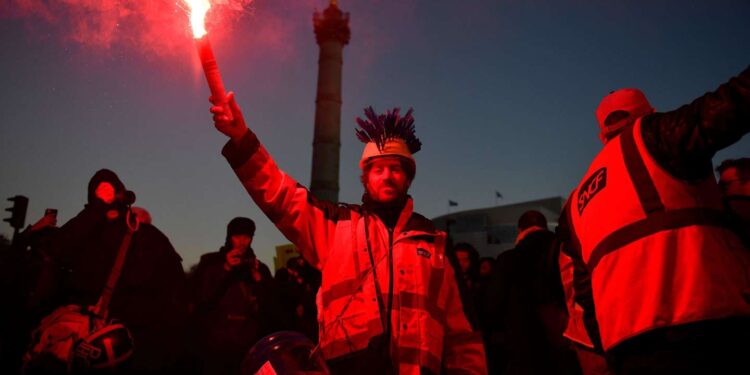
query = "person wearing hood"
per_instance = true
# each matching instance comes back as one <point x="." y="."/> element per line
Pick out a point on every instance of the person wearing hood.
<point x="389" y="301"/>
<point x="235" y="301"/>
<point x="149" y="297"/>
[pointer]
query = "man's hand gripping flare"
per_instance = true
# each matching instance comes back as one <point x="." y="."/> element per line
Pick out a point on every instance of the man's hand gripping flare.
<point x="228" y="117"/>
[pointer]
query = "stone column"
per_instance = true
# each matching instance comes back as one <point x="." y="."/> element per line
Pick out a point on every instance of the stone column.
<point x="332" y="34"/>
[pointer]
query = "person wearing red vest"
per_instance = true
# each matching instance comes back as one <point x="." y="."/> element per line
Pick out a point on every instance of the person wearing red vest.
<point x="389" y="301"/>
<point x="661" y="277"/>
<point x="590" y="357"/>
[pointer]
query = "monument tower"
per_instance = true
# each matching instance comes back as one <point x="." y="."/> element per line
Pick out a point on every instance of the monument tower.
<point x="332" y="34"/>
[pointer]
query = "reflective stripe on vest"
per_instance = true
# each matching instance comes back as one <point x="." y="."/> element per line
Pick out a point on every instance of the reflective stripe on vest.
<point x="658" y="218"/>
<point x="575" y="329"/>
<point x="340" y="290"/>
<point x="582" y="326"/>
<point x="654" y="223"/>
<point x="348" y="342"/>
<point x="419" y="357"/>
<point x="420" y="302"/>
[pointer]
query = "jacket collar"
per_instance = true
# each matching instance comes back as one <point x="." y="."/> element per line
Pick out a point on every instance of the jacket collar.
<point x="528" y="231"/>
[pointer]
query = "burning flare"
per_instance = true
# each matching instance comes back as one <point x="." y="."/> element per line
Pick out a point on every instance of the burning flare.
<point x="198" y="10"/>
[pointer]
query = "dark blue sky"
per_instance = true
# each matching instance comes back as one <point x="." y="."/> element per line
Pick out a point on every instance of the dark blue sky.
<point x="503" y="92"/>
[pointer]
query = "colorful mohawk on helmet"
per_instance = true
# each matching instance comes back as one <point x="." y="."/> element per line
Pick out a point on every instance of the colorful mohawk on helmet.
<point x="388" y="134"/>
<point x="387" y="127"/>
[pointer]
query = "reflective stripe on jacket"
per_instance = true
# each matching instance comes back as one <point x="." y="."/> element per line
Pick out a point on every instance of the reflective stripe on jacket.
<point x="657" y="247"/>
<point x="575" y="330"/>
<point x="429" y="328"/>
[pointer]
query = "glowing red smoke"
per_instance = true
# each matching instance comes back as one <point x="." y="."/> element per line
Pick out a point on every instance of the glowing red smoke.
<point x="153" y="27"/>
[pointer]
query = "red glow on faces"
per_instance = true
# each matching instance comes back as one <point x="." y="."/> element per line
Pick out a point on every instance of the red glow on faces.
<point x="386" y="180"/>
<point x="106" y="192"/>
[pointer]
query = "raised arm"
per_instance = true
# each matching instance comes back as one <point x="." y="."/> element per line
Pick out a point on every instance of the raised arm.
<point x="307" y="222"/>
<point x="684" y="140"/>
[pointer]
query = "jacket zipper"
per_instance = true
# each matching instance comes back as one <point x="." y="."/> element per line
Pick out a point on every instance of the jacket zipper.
<point x="390" y="282"/>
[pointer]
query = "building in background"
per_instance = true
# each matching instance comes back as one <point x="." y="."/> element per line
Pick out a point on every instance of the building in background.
<point x="492" y="230"/>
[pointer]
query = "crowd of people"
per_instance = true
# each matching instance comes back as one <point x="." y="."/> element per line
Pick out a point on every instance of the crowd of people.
<point x="648" y="270"/>
<point x="201" y="322"/>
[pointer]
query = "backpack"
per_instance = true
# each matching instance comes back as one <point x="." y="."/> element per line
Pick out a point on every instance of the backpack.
<point x="72" y="338"/>
<point x="53" y="341"/>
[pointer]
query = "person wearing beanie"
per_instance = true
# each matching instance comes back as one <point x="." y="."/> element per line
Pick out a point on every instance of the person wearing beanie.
<point x="150" y="297"/>
<point x="660" y="278"/>
<point x="389" y="301"/>
<point x="235" y="302"/>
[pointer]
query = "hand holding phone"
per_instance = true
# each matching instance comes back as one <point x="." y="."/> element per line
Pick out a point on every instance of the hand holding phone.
<point x="48" y="220"/>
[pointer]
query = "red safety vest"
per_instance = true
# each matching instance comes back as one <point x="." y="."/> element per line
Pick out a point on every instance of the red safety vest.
<point x="658" y="248"/>
<point x="575" y="329"/>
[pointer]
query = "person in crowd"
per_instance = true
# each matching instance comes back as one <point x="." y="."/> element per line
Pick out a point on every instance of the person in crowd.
<point x="389" y="301"/>
<point x="662" y="277"/>
<point x="486" y="264"/>
<point x="149" y="296"/>
<point x="298" y="296"/>
<point x="465" y="259"/>
<point x="19" y="272"/>
<point x="486" y="268"/>
<point x="734" y="181"/>
<point x="526" y="305"/>
<point x="34" y="235"/>
<point x="235" y="302"/>
<point x="310" y="274"/>
<point x="468" y="264"/>
<point x="590" y="356"/>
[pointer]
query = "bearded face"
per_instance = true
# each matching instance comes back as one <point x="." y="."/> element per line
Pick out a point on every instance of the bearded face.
<point x="386" y="181"/>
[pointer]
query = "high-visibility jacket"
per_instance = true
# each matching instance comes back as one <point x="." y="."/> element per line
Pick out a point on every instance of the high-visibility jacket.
<point x="575" y="329"/>
<point x="658" y="248"/>
<point x="428" y="327"/>
<point x="573" y="274"/>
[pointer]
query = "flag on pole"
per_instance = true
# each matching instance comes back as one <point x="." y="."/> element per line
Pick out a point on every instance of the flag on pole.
<point x="452" y="203"/>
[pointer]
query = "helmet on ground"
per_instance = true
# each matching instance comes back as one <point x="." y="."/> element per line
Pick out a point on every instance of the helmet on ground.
<point x="106" y="348"/>
<point x="284" y="353"/>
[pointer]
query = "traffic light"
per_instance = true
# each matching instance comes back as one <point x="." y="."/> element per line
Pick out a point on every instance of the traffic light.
<point x="18" y="211"/>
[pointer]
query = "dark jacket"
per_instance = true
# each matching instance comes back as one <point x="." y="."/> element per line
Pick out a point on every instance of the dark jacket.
<point x="232" y="310"/>
<point x="298" y="300"/>
<point x="149" y="297"/>
<point x="683" y="141"/>
<point x="527" y="306"/>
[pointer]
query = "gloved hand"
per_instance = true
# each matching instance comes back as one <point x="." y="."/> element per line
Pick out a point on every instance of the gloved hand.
<point x="228" y="118"/>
